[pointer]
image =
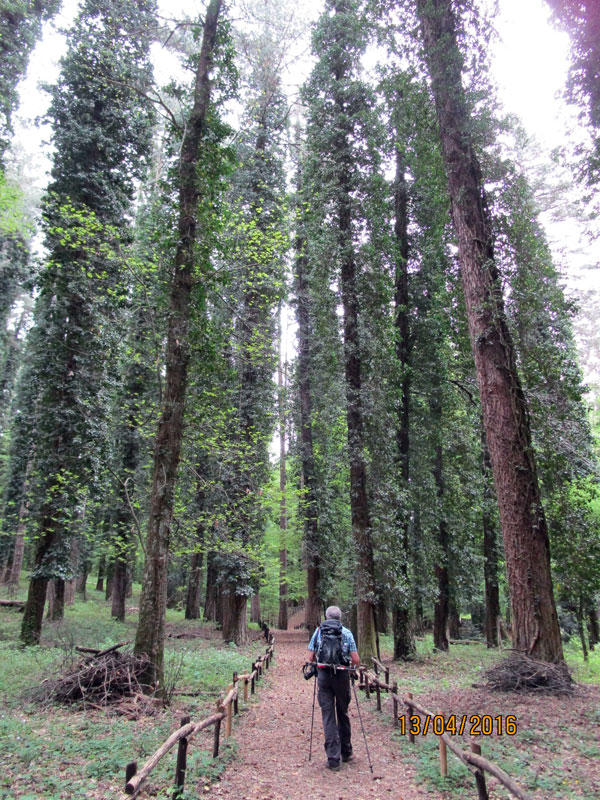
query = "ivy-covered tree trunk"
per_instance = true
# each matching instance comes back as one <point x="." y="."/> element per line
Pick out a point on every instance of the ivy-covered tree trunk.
<point x="153" y="602"/>
<point x="308" y="505"/>
<point x="359" y="503"/>
<point x="283" y="587"/>
<point x="535" y="623"/>
<point x="101" y="132"/>
<point x="404" y="642"/>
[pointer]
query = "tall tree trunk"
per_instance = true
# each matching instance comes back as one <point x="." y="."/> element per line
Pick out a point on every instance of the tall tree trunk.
<point x="255" y="607"/>
<point x="33" y="615"/>
<point x="101" y="573"/>
<point x="593" y="627"/>
<point x="194" y="587"/>
<point x="119" y="588"/>
<point x="14" y="574"/>
<point x="213" y="611"/>
<point x="153" y="601"/>
<point x="441" y="608"/>
<point x="526" y="545"/>
<point x="110" y="572"/>
<point x="56" y="600"/>
<point x="235" y="623"/>
<point x="359" y="504"/>
<point x="308" y="499"/>
<point x="453" y="614"/>
<point x="283" y="587"/>
<point x="490" y="553"/>
<point x="581" y="627"/>
<point x="404" y="641"/>
<point x="81" y="583"/>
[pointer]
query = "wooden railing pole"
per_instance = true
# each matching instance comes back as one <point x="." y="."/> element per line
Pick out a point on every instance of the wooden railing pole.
<point x="130" y="771"/>
<point x="443" y="758"/>
<point x="217" y="730"/>
<point x="482" y="791"/>
<point x="411" y="736"/>
<point x="387" y="677"/>
<point x="235" y="699"/>
<point x="395" y="703"/>
<point x="378" y="692"/>
<point x="181" y="761"/>
<point x="228" y="720"/>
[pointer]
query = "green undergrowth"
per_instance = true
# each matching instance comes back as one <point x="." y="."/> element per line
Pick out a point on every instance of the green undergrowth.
<point x="50" y="752"/>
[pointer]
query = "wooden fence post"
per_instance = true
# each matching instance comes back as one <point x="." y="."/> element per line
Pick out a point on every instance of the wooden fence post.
<point x="482" y="791"/>
<point x="181" y="761"/>
<point x="130" y="771"/>
<point x="443" y="759"/>
<point x="411" y="736"/>
<point x="235" y="701"/>
<point x="367" y="687"/>
<point x="228" y="719"/>
<point x="387" y="677"/>
<point x="378" y="692"/>
<point x="395" y="703"/>
<point x="217" y="735"/>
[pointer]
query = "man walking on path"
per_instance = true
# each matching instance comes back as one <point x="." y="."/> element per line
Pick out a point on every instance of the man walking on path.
<point x="333" y="648"/>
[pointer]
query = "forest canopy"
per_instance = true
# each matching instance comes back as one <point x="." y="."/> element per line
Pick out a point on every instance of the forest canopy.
<point x="282" y="348"/>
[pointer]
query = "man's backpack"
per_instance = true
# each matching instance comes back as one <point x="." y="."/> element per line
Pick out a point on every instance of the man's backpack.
<point x="330" y="650"/>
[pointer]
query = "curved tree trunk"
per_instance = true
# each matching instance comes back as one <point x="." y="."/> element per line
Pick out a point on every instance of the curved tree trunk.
<point x="535" y="623"/>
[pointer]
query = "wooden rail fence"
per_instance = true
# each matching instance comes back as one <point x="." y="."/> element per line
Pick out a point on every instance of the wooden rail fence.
<point x="227" y="708"/>
<point x="370" y="682"/>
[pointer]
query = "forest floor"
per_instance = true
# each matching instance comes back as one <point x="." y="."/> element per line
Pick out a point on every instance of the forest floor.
<point x="59" y="753"/>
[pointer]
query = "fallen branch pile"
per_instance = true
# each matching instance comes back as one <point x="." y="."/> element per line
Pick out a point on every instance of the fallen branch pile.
<point x="102" y="678"/>
<point x="519" y="673"/>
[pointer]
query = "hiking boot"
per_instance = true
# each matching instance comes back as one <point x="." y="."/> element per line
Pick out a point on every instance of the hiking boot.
<point x="334" y="766"/>
<point x="347" y="757"/>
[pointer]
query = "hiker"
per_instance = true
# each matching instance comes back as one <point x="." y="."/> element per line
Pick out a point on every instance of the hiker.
<point x="333" y="648"/>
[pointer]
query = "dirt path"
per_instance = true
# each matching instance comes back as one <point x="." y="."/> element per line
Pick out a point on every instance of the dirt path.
<point x="273" y="743"/>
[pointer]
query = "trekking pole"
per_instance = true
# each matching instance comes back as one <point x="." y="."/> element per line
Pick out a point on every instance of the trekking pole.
<point x="352" y="677"/>
<point x="312" y="721"/>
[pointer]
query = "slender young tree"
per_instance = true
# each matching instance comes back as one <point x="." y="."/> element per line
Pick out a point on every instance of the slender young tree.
<point x="153" y="602"/>
<point x="505" y="414"/>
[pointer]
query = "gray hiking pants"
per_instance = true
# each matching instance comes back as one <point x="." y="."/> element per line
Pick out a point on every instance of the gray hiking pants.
<point x="334" y="699"/>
